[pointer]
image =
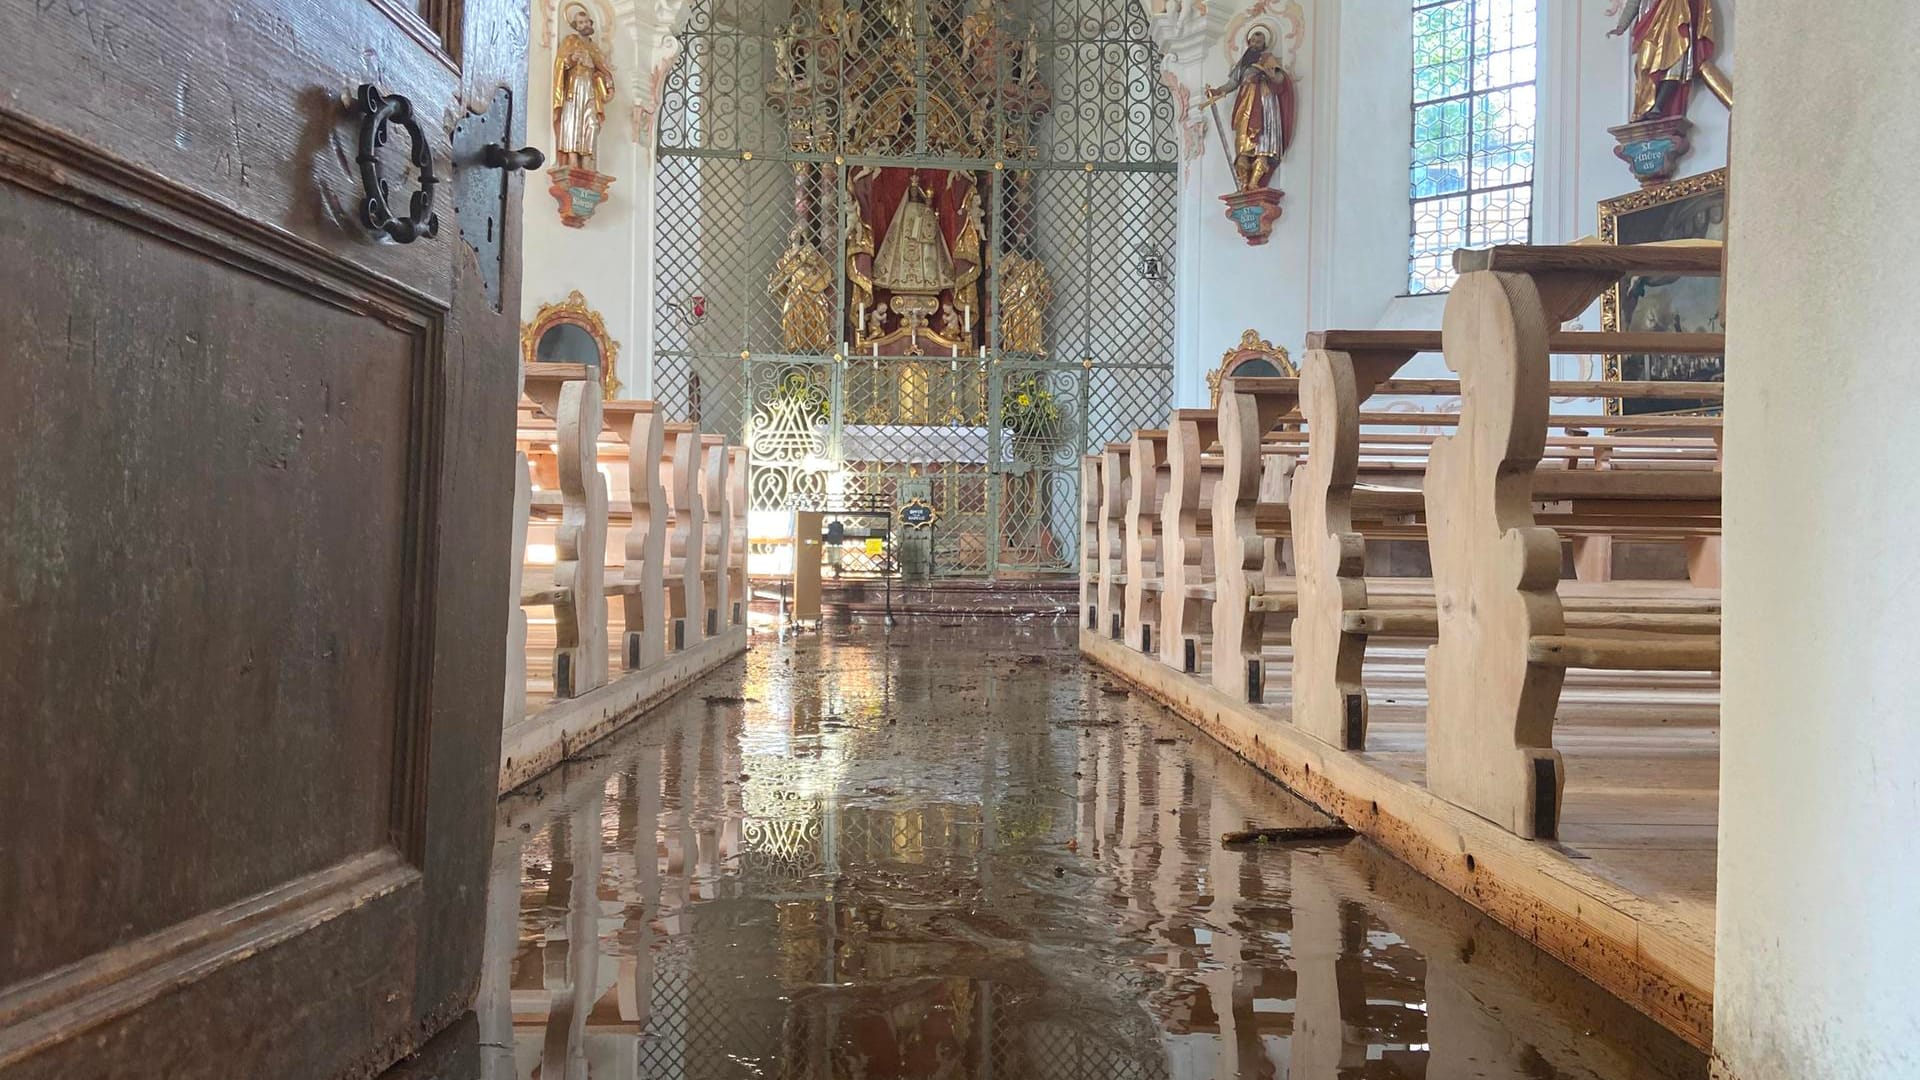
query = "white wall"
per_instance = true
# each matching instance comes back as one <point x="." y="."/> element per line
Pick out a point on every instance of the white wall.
<point x="1819" y="924"/>
<point x="607" y="260"/>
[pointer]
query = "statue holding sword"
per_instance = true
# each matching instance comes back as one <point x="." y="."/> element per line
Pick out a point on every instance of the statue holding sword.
<point x="1263" y="109"/>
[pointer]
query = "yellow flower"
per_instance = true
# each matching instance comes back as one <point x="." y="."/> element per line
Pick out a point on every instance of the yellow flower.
<point x="1024" y="400"/>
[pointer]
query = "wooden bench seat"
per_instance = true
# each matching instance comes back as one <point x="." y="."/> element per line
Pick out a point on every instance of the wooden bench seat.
<point x="1091" y="493"/>
<point x="1307" y="476"/>
<point x="1146" y="491"/>
<point x="1333" y="515"/>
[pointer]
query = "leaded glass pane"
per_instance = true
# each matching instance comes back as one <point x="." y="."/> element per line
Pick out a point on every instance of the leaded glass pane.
<point x="1474" y="107"/>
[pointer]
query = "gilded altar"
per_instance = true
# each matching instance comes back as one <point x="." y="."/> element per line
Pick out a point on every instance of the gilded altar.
<point x="918" y="244"/>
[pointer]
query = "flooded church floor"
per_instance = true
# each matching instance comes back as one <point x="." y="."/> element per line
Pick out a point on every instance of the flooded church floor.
<point x="947" y="851"/>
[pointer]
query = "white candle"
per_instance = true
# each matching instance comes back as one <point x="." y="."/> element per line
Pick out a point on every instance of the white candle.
<point x="967" y="314"/>
<point x="876" y="350"/>
<point x="862" y="324"/>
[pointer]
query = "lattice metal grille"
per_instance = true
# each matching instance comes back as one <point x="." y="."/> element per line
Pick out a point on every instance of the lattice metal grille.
<point x="1048" y="124"/>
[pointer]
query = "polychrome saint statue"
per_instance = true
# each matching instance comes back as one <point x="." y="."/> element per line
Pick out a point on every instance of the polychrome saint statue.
<point x="582" y="86"/>
<point x="1262" y="112"/>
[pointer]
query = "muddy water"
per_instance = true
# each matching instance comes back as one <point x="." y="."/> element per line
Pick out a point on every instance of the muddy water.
<point x="956" y="851"/>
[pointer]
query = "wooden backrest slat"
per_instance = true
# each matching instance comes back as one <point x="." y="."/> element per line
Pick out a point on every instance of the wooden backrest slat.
<point x="1690" y="258"/>
<point x="1574" y="342"/>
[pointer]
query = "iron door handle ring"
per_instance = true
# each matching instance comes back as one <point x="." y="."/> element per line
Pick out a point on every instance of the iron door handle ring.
<point x="376" y="111"/>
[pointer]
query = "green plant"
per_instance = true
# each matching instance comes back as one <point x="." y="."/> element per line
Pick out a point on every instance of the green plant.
<point x="1028" y="408"/>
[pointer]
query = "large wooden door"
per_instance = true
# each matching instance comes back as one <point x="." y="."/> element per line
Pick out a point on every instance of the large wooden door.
<point x="254" y="521"/>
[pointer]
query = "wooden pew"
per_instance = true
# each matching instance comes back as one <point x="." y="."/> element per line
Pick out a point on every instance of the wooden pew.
<point x="580" y="601"/>
<point x="1090" y="490"/>
<point x="1339" y="371"/>
<point x="1244" y="572"/>
<point x="738" y="589"/>
<point x="516" y="696"/>
<point x="640" y="426"/>
<point x="1186" y="532"/>
<point x="1503" y="640"/>
<point x="686" y="537"/>
<point x="681" y="519"/>
<point x="1147" y="486"/>
<point x="1116" y="487"/>
<point x="717" y="546"/>
<point x="682" y="558"/>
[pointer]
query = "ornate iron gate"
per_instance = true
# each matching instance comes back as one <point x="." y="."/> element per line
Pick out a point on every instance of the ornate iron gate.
<point x="920" y="242"/>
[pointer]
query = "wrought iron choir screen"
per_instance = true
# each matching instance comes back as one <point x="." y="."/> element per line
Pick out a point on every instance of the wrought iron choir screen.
<point x="919" y="242"/>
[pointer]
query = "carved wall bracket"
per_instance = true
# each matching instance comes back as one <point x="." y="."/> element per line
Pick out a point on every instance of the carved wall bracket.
<point x="579" y="193"/>
<point x="1254" y="213"/>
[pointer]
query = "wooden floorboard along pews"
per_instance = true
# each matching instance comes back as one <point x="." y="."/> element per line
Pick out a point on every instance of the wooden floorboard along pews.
<point x="1544" y="747"/>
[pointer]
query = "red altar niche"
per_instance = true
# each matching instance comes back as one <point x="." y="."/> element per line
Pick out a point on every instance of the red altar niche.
<point x="913" y="262"/>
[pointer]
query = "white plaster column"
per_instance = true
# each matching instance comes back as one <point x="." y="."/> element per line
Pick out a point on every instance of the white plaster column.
<point x="1819" y="866"/>
<point x="1185" y="34"/>
<point x="655" y="50"/>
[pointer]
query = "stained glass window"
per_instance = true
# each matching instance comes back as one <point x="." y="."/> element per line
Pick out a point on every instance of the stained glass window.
<point x="1473" y="122"/>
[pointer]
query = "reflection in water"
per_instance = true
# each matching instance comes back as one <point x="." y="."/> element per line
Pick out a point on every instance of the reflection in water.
<point x="953" y="852"/>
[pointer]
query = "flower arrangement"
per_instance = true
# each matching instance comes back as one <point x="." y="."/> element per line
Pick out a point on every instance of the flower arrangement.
<point x="1028" y="408"/>
<point x="798" y="392"/>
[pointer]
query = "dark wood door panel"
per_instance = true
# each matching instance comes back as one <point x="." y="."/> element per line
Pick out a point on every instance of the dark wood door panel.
<point x="245" y="101"/>
<point x="208" y="539"/>
<point x="216" y="480"/>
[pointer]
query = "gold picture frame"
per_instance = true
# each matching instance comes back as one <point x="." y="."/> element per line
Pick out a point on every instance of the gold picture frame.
<point x="573" y="312"/>
<point x="1694" y="208"/>
<point x="1252" y="347"/>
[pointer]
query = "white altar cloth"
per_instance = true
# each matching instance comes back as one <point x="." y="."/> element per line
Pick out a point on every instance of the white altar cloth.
<point x="904" y="444"/>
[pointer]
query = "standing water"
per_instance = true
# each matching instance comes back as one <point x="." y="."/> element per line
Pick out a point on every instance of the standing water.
<point x="946" y="851"/>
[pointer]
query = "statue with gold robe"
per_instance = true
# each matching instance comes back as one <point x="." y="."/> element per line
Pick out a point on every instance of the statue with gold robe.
<point x="913" y="257"/>
<point x="1025" y="292"/>
<point x="1673" y="41"/>
<point x="1262" y="112"/>
<point x="582" y="86"/>
<point x="803" y="283"/>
